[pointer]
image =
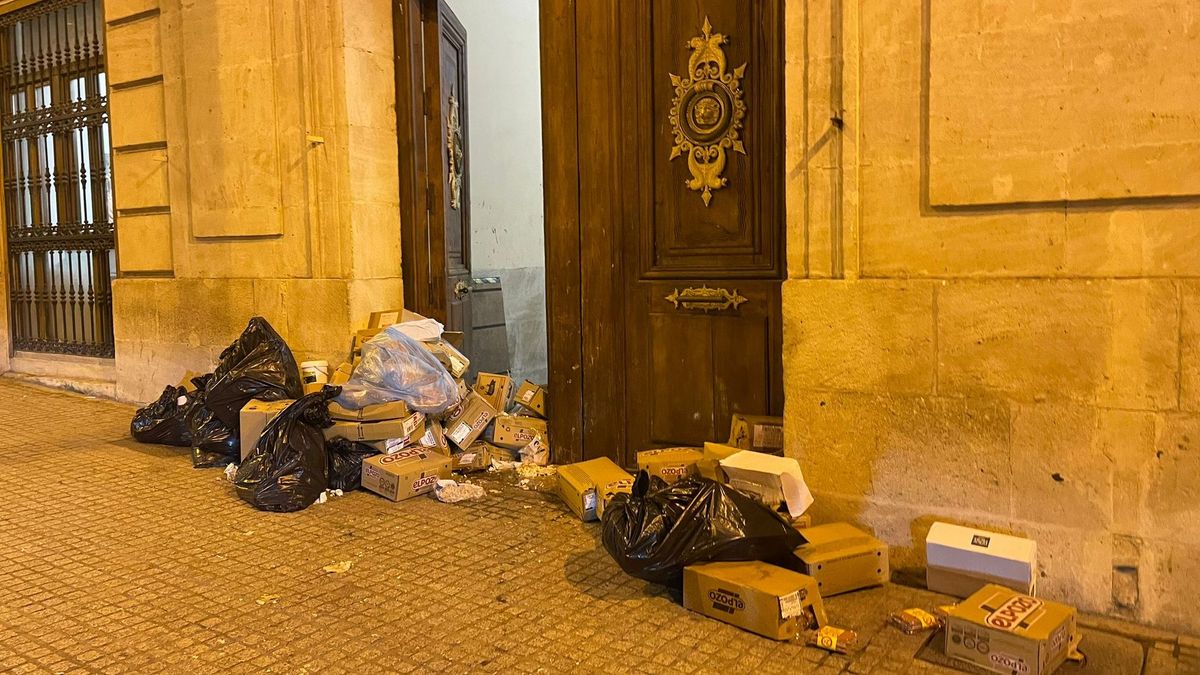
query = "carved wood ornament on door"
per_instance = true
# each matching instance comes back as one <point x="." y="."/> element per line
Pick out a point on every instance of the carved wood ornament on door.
<point x="454" y="151"/>
<point x="707" y="112"/>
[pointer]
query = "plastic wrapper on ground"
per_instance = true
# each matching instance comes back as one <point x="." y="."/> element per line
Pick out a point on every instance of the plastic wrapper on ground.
<point x="288" y="469"/>
<point x="395" y="367"/>
<point x="658" y="529"/>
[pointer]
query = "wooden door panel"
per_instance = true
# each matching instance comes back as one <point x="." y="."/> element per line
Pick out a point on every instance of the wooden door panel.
<point x="680" y="396"/>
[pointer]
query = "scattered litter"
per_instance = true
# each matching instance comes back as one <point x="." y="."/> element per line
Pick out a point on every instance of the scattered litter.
<point x="268" y="599"/>
<point x="230" y="472"/>
<point x="914" y="620"/>
<point x="449" y="491"/>
<point x="338" y="567"/>
<point x="833" y="639"/>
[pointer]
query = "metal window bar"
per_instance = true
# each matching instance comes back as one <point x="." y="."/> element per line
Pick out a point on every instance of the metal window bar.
<point x="57" y="164"/>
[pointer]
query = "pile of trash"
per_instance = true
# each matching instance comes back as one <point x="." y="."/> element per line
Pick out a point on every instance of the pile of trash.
<point x="397" y="418"/>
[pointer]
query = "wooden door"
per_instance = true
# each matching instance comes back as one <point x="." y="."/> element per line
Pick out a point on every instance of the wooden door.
<point x="431" y="112"/>
<point x="675" y="139"/>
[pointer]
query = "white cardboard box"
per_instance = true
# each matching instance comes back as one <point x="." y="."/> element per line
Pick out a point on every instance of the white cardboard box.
<point x="961" y="560"/>
<point x="774" y="480"/>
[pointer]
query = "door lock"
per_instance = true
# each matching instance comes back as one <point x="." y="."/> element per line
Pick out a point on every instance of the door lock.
<point x="461" y="289"/>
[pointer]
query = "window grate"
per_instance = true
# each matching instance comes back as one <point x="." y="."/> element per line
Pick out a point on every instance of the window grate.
<point x="58" y="200"/>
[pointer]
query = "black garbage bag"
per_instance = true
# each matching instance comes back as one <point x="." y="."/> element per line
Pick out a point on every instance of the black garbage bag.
<point x="257" y="365"/>
<point x="345" y="463"/>
<point x="288" y="469"/>
<point x="659" y="529"/>
<point x="213" y="443"/>
<point x="166" y="420"/>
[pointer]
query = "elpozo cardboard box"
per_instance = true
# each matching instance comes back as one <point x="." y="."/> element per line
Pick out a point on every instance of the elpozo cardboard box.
<point x="582" y="485"/>
<point x="531" y="397"/>
<point x="516" y="432"/>
<point x="760" y="433"/>
<point x="468" y="420"/>
<point x="478" y="457"/>
<point x="1008" y="632"/>
<point x="434" y="437"/>
<point x="253" y="418"/>
<point x="843" y="558"/>
<point x="775" y="481"/>
<point x="407" y="473"/>
<point x="670" y="464"/>
<point x="455" y="361"/>
<point x="761" y="598"/>
<point x="495" y="389"/>
<point x="961" y="560"/>
<point x="409" y="428"/>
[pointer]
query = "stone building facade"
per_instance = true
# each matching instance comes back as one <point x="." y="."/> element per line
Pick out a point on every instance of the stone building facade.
<point x="992" y="314"/>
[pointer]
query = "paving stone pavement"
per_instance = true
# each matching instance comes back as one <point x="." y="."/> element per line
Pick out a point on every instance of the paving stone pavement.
<point x="117" y="557"/>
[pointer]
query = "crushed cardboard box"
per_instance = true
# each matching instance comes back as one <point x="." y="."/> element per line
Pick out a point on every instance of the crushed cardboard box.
<point x="843" y="558"/>
<point x="583" y="485"/>
<point x="478" y="457"/>
<point x="407" y="473"/>
<point x="709" y="465"/>
<point x="961" y="560"/>
<point x="409" y="428"/>
<point x="775" y="481"/>
<point x="761" y="598"/>
<point x="435" y="437"/>
<point x="670" y="464"/>
<point x="253" y="418"/>
<point x="451" y="358"/>
<point x="531" y="397"/>
<point x="378" y="412"/>
<point x="495" y="389"/>
<point x="516" y="432"/>
<point x="467" y="421"/>
<point x="1004" y="631"/>
<point x="760" y="433"/>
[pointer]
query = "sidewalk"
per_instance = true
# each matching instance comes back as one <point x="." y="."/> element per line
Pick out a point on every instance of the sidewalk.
<point x="119" y="557"/>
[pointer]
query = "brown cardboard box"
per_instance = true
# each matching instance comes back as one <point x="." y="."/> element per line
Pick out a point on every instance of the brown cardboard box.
<point x="186" y="382"/>
<point x="775" y="481"/>
<point x="456" y="338"/>
<point x="605" y="494"/>
<point x="670" y="464"/>
<point x="709" y="465"/>
<point x="1004" y="631"/>
<point x="253" y="418"/>
<point x="396" y="410"/>
<point x="771" y="601"/>
<point x="313" y="387"/>
<point x="361" y="337"/>
<point x="511" y="431"/>
<point x="341" y="375"/>
<point x="410" y="428"/>
<point x="435" y="437"/>
<point x="760" y="433"/>
<point x="582" y="485"/>
<point x="468" y="420"/>
<point x="478" y="457"/>
<point x="495" y="389"/>
<point x="532" y="398"/>
<point x="843" y="558"/>
<point x="407" y="473"/>
<point x="450" y="357"/>
<point x="384" y="318"/>
<point x="505" y="454"/>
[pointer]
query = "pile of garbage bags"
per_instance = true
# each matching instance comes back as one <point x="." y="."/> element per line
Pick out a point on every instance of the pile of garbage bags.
<point x="289" y="469"/>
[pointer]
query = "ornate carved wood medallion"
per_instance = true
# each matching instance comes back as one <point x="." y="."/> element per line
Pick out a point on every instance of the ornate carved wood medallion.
<point x="707" y="112"/>
<point x="454" y="151"/>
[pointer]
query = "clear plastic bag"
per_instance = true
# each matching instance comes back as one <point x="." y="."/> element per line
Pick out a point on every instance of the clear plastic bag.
<point x="395" y="367"/>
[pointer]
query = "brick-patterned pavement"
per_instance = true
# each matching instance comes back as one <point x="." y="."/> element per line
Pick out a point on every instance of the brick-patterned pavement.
<point x="117" y="557"/>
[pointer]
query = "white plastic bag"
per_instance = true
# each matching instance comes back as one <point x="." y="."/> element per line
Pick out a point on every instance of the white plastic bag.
<point x="395" y="367"/>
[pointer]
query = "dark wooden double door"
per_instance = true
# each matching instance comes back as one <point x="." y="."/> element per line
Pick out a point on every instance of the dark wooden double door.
<point x="663" y="155"/>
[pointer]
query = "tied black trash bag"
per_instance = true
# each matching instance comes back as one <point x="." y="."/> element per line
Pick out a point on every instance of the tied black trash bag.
<point x="166" y="420"/>
<point x="213" y="443"/>
<point x="345" y="463"/>
<point x="257" y="365"/>
<point x="659" y="529"/>
<point x="287" y="470"/>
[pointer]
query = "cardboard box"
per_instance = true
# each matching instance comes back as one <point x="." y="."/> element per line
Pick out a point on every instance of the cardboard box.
<point x="341" y="375"/>
<point x="396" y="410"/>
<point x="961" y="560"/>
<point x="709" y="465"/>
<point x="407" y="473"/>
<point x="384" y="318"/>
<point x="408" y="429"/>
<point x="450" y="357"/>
<point x="532" y="398"/>
<point x="313" y="387"/>
<point x="360" y="337"/>
<point x="760" y="433"/>
<point x="843" y="558"/>
<point x="468" y="420"/>
<point x="495" y="389"/>
<point x="775" y="481"/>
<point x="456" y="338"/>
<point x="771" y="601"/>
<point x="805" y="520"/>
<point x="1004" y="631"/>
<point x="253" y="418"/>
<point x="605" y="494"/>
<point x="581" y="485"/>
<point x="186" y="382"/>
<point x="435" y="437"/>
<point x="670" y="464"/>
<point x="478" y="457"/>
<point x="511" y="431"/>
